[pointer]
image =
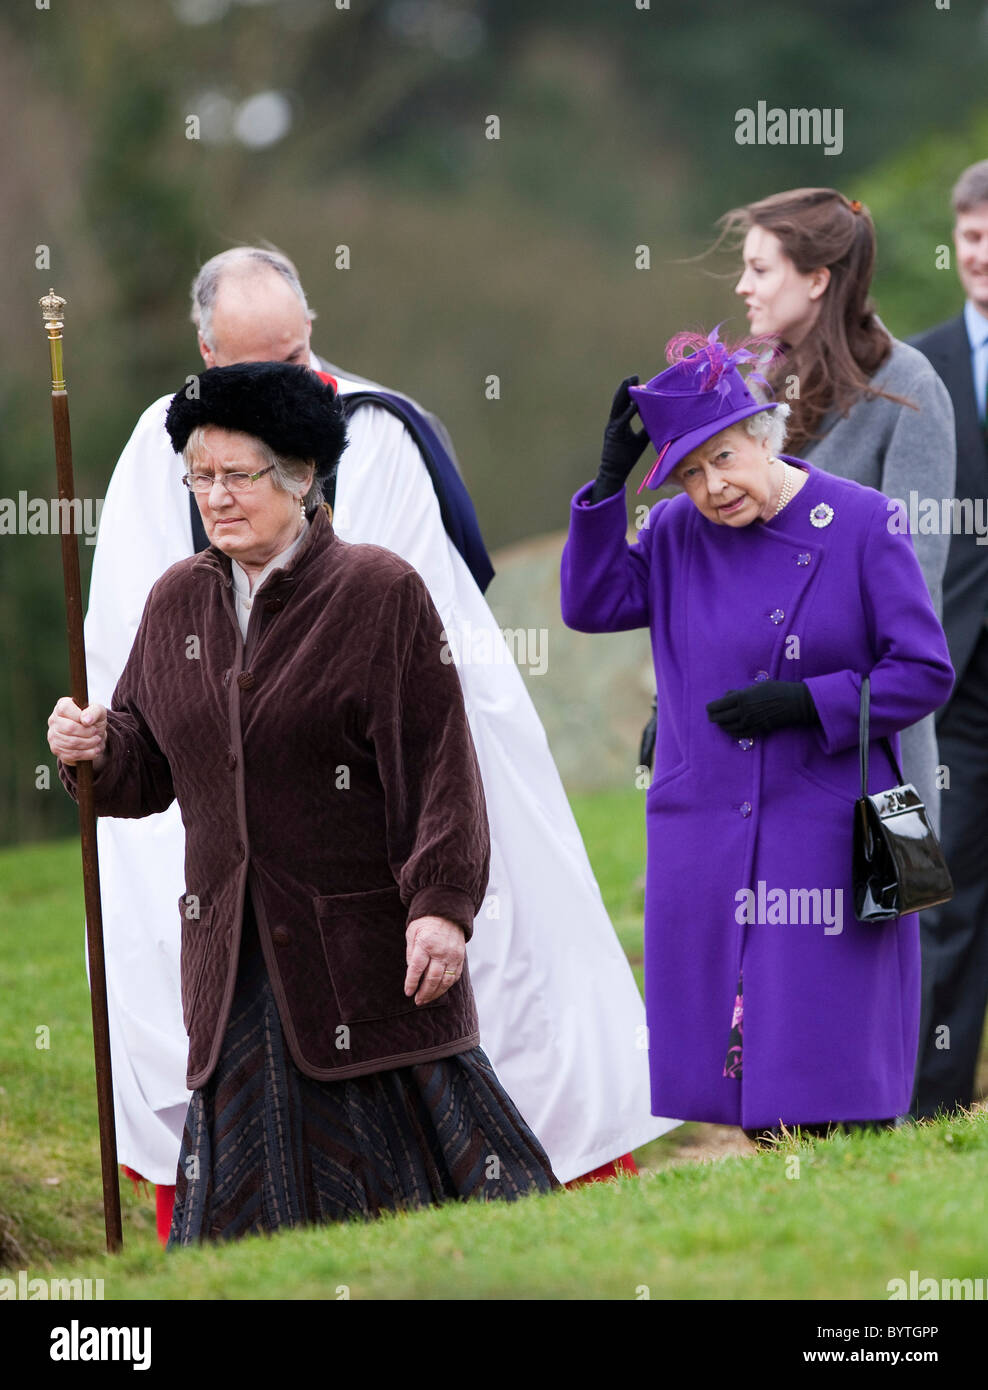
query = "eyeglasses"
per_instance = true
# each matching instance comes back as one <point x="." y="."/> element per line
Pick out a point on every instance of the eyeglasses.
<point x="233" y="482"/>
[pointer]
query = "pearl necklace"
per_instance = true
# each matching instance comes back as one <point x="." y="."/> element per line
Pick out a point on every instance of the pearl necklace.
<point x="788" y="486"/>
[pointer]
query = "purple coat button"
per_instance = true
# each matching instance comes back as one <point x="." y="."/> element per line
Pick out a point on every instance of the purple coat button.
<point x="777" y="615"/>
<point x="761" y="675"/>
<point x="803" y="558"/>
<point x="745" y="809"/>
<point x="746" y="743"/>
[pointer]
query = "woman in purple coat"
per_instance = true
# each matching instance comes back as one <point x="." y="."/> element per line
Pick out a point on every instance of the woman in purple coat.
<point x="770" y="590"/>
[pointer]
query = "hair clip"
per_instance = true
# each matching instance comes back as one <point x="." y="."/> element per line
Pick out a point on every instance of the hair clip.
<point x="855" y="205"/>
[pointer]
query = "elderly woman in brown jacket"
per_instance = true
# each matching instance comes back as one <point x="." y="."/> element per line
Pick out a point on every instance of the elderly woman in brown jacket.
<point x="289" y="690"/>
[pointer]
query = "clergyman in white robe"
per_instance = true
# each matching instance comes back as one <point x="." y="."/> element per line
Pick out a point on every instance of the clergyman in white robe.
<point x="561" y="1018"/>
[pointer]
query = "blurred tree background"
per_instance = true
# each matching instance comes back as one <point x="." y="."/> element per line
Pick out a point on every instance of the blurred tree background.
<point x="365" y="124"/>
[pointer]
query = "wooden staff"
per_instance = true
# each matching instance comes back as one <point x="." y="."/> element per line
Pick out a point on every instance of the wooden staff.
<point x="51" y="307"/>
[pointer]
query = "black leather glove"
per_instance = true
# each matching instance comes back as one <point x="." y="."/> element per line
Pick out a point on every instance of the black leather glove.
<point x="623" y="446"/>
<point x="764" y="706"/>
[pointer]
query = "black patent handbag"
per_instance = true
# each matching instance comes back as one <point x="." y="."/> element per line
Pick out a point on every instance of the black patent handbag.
<point x="898" y="863"/>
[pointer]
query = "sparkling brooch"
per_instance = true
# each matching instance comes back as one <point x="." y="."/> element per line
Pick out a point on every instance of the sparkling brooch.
<point x="822" y="514"/>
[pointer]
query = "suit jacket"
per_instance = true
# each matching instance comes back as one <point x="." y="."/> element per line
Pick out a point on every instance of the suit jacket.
<point x="965" y="588"/>
<point x="326" y="763"/>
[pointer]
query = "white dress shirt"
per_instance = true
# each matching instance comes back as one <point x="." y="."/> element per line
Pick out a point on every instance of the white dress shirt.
<point x="977" y="333"/>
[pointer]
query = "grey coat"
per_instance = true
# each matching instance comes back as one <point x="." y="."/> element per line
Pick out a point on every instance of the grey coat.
<point x="897" y="450"/>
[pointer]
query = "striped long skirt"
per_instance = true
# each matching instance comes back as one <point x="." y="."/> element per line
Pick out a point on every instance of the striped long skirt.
<point x="267" y="1147"/>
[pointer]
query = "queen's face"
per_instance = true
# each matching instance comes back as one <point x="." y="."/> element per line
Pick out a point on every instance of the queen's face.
<point x="731" y="478"/>
<point x="779" y="300"/>
<point x="251" y="526"/>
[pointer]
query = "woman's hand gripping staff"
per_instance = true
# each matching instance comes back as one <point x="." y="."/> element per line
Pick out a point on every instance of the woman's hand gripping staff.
<point x="77" y="735"/>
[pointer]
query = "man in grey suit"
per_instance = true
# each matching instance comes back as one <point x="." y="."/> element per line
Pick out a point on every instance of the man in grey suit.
<point x="955" y="936"/>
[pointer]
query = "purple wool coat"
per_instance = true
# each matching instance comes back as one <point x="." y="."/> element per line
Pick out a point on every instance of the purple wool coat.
<point x="831" y="1006"/>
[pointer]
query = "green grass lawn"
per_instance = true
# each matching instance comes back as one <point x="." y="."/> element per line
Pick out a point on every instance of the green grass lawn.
<point x="835" y="1219"/>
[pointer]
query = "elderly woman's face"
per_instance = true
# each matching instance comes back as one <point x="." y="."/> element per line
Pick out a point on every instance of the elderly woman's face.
<point x="251" y="526"/>
<point x="731" y="479"/>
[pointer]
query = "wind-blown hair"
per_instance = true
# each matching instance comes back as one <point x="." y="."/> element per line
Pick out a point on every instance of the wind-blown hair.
<point x="847" y="344"/>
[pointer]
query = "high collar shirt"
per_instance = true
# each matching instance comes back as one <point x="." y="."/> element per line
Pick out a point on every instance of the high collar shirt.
<point x="977" y="333"/>
<point x="244" y="593"/>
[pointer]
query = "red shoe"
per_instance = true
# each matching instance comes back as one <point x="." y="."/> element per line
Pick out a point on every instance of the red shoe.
<point x="624" y="1164"/>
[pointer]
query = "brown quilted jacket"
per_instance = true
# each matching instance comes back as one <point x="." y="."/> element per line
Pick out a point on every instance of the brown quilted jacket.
<point x="327" y="762"/>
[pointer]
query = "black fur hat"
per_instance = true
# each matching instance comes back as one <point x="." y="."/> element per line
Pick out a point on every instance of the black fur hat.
<point x="285" y="405"/>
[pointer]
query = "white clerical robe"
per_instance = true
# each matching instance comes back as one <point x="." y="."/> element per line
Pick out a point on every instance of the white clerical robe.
<point x="561" y="1018"/>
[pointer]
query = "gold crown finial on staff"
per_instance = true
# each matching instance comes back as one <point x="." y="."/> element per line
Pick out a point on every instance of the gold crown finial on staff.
<point x="51" y="312"/>
<point x="51" y="307"/>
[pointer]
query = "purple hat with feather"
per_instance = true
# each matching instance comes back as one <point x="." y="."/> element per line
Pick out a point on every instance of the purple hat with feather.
<point x="701" y="394"/>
